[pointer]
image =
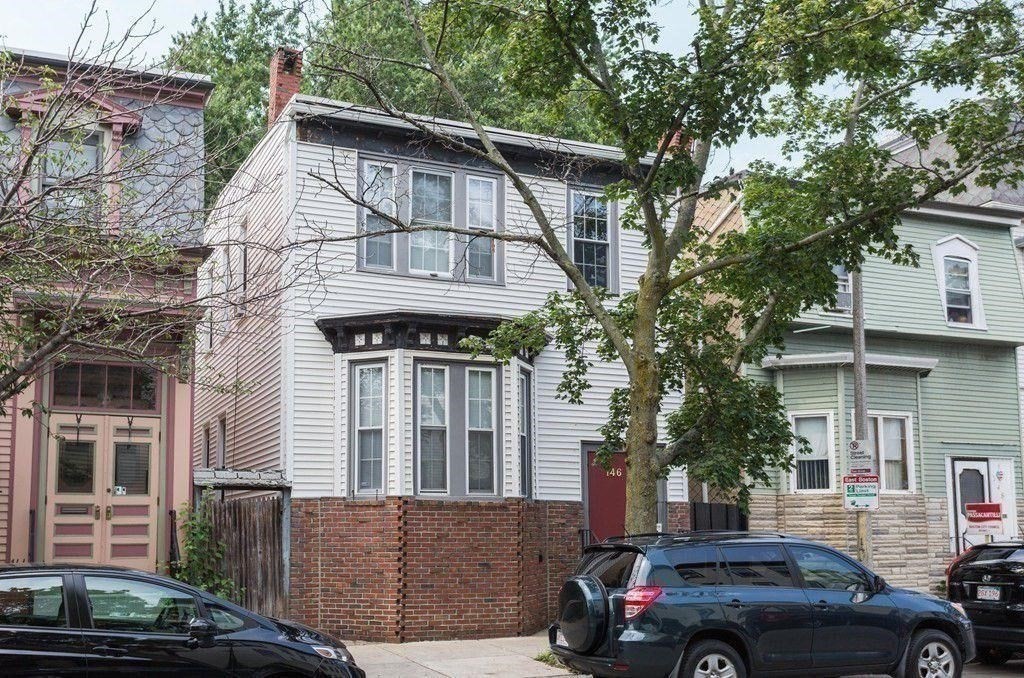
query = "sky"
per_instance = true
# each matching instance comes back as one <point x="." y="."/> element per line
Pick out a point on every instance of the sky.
<point x="53" y="25"/>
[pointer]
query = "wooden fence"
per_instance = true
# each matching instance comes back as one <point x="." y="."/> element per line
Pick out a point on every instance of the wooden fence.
<point x="250" y="530"/>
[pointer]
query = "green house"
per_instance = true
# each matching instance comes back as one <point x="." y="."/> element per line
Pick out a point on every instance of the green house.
<point x="944" y="393"/>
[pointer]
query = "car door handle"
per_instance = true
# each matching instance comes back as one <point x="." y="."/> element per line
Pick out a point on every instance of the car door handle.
<point x="107" y="651"/>
<point x="823" y="606"/>
<point x="735" y="604"/>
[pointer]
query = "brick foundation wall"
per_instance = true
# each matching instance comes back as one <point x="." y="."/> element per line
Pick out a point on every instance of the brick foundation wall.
<point x="678" y="517"/>
<point x="407" y="569"/>
<point x="909" y="532"/>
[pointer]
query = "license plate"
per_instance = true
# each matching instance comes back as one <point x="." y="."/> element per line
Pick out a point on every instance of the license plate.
<point x="560" y="639"/>
<point x="988" y="593"/>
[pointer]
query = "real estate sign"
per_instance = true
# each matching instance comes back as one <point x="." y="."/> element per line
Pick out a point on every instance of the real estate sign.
<point x="860" y="492"/>
<point x="984" y="518"/>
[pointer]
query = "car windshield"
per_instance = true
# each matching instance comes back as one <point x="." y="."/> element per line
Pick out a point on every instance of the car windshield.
<point x="1011" y="553"/>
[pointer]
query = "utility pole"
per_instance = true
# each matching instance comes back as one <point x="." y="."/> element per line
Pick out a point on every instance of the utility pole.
<point x="860" y="403"/>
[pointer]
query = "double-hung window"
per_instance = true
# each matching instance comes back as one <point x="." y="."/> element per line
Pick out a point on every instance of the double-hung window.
<point x="431" y="205"/>
<point x="369" y="424"/>
<point x="956" y="262"/>
<point x="889" y="435"/>
<point x="525" y="433"/>
<point x="591" y="237"/>
<point x="71" y="172"/>
<point x="844" y="290"/>
<point x="813" y="472"/>
<point x="959" y="308"/>
<point x="480" y="431"/>
<point x="378" y="182"/>
<point x="482" y="217"/>
<point x="433" y="428"/>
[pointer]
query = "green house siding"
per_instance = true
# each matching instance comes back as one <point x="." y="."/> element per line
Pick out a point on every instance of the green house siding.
<point x="906" y="299"/>
<point x="966" y="406"/>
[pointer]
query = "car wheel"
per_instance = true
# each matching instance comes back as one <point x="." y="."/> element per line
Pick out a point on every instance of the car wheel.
<point x="933" y="654"/>
<point x="993" y="656"/>
<point x="712" y="659"/>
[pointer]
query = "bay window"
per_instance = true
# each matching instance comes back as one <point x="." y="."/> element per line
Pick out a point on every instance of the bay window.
<point x="433" y="428"/>
<point x="369" y="426"/>
<point x="480" y="443"/>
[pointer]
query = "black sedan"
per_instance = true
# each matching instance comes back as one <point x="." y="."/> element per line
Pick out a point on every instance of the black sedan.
<point x="988" y="580"/>
<point x="99" y="621"/>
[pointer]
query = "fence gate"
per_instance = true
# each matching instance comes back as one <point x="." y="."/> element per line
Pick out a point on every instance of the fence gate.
<point x="250" y="530"/>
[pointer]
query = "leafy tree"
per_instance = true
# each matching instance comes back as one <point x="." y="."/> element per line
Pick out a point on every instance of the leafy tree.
<point x="233" y="47"/>
<point x="825" y="76"/>
<point x="374" y="35"/>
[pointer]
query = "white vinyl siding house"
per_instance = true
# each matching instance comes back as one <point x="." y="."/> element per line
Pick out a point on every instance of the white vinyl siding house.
<point x="452" y="423"/>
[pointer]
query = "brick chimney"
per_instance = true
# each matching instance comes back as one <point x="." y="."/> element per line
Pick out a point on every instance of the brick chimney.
<point x="285" y="80"/>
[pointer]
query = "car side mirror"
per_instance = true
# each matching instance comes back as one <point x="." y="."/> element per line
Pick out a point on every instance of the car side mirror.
<point x="879" y="584"/>
<point x="201" y="632"/>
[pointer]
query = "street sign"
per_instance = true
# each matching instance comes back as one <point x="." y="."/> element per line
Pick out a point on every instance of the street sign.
<point x="860" y="492"/>
<point x="860" y="458"/>
<point x="984" y="518"/>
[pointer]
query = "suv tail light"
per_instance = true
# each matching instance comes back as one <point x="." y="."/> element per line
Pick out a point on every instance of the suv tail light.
<point x="952" y="566"/>
<point x="639" y="598"/>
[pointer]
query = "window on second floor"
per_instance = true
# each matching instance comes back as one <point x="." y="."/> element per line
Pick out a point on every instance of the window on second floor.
<point x="957" y="275"/>
<point x="591" y="238"/>
<point x="70" y="174"/>
<point x="426" y="195"/>
<point x="958" y="290"/>
<point x="844" y="290"/>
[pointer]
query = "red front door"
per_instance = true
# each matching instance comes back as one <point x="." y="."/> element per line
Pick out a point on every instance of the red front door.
<point x="606" y="496"/>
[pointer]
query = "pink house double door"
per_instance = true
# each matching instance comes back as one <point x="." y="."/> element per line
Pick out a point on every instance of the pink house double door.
<point x="102" y="483"/>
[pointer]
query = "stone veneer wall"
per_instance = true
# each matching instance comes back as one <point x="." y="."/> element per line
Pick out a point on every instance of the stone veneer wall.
<point x="404" y="569"/>
<point x="910" y="533"/>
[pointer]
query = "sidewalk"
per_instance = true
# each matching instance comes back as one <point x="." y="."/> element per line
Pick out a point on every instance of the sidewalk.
<point x="504" y="657"/>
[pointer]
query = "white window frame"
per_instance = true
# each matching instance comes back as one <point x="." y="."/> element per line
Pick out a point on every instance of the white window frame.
<point x="612" y="283"/>
<point x="363" y="178"/>
<point x="449" y="274"/>
<point x="495" y="450"/>
<point x="959" y="247"/>
<point x="357" y="427"/>
<point x="447" y="427"/>
<point x="908" y="419"/>
<point x="836" y="309"/>
<point x="830" y="424"/>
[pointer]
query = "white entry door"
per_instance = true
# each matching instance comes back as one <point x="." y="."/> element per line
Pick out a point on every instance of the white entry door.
<point x="982" y="480"/>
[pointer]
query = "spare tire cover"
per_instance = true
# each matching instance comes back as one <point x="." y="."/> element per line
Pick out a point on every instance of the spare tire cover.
<point x="582" y="612"/>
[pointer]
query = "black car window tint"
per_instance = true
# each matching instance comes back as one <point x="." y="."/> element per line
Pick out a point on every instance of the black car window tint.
<point x="757" y="565"/>
<point x="132" y="605"/>
<point x="613" y="568"/>
<point x="33" y="601"/>
<point x="1000" y="553"/>
<point x="695" y="565"/>
<point x="226" y="620"/>
<point x="824" y="570"/>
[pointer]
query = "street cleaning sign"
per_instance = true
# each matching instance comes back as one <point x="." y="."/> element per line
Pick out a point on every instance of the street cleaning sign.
<point x="861" y="459"/>
<point x="860" y="492"/>
<point x="984" y="518"/>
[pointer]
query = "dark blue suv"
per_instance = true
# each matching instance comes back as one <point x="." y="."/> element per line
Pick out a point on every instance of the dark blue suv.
<point x="733" y="605"/>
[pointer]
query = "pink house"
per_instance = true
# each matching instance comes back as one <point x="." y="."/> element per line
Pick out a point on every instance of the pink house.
<point x="92" y="475"/>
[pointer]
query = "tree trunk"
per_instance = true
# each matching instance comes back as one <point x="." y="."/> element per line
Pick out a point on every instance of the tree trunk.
<point x="644" y="404"/>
